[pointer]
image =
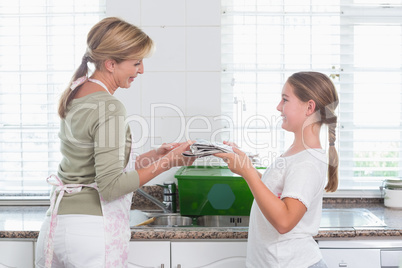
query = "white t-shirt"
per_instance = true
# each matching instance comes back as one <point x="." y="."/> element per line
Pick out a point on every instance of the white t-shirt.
<point x="301" y="176"/>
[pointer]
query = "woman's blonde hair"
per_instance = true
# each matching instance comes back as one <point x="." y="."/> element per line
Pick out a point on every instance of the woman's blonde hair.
<point x="319" y="88"/>
<point x="111" y="38"/>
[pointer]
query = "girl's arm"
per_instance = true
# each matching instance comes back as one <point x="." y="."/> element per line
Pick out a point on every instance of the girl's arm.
<point x="232" y="144"/>
<point x="282" y="214"/>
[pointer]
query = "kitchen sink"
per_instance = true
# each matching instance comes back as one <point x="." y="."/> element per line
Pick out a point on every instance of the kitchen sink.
<point x="223" y="221"/>
<point x="160" y="219"/>
<point x="153" y="219"/>
<point x="171" y="220"/>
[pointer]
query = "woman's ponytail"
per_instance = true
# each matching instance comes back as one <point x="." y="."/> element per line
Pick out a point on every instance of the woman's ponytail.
<point x="69" y="94"/>
<point x="111" y="38"/>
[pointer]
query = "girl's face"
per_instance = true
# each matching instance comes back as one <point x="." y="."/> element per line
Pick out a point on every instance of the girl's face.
<point x="293" y="110"/>
<point x="126" y="71"/>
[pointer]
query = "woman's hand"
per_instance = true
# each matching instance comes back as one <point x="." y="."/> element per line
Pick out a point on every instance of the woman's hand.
<point x="166" y="148"/>
<point x="238" y="162"/>
<point x="171" y="159"/>
<point x="154" y="155"/>
<point x="175" y="158"/>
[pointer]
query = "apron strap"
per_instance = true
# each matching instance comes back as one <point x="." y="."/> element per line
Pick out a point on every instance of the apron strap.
<point x="54" y="206"/>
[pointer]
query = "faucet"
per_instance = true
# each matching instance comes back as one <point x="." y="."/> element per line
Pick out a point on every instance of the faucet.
<point x="169" y="197"/>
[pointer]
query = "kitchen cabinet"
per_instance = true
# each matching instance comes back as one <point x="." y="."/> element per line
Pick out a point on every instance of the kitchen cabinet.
<point x="186" y="254"/>
<point x="209" y="254"/>
<point x="16" y="254"/>
<point x="147" y="254"/>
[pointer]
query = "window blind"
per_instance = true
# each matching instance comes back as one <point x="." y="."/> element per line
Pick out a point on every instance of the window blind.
<point x="357" y="43"/>
<point x="41" y="43"/>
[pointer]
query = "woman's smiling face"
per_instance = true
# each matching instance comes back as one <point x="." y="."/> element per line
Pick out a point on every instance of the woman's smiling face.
<point x="293" y="110"/>
<point x="126" y="71"/>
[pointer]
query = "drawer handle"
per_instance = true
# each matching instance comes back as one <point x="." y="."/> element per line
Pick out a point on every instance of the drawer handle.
<point x="343" y="265"/>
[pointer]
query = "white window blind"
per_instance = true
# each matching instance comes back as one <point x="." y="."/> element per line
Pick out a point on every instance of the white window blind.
<point x="41" y="44"/>
<point x="357" y="43"/>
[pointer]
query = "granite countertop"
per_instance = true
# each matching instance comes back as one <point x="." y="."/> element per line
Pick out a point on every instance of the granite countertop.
<point x="24" y="222"/>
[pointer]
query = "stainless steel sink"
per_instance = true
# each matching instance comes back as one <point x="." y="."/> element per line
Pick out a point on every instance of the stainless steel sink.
<point x="159" y="219"/>
<point x="223" y="221"/>
<point x="176" y="220"/>
<point x="171" y="220"/>
<point x="349" y="218"/>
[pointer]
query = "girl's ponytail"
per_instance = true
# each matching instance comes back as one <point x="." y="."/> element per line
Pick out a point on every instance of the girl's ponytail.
<point x="333" y="160"/>
<point x="318" y="87"/>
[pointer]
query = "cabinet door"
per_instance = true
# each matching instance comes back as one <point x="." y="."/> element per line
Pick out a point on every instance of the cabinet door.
<point x="149" y="254"/>
<point x="209" y="254"/>
<point x="18" y="254"/>
<point x="367" y="258"/>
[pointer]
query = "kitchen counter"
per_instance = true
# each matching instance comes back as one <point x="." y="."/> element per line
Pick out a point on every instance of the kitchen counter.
<point x="23" y="222"/>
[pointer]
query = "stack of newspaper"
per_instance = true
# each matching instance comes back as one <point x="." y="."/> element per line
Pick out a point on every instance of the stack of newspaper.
<point x="203" y="148"/>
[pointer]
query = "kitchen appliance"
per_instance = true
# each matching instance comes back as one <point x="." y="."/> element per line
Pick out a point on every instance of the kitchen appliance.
<point x="363" y="253"/>
<point x="212" y="190"/>
<point x="392" y="190"/>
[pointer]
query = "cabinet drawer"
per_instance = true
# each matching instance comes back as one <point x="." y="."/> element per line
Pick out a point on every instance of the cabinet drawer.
<point x="146" y="254"/>
<point x="367" y="258"/>
<point x="209" y="254"/>
<point x="16" y="254"/>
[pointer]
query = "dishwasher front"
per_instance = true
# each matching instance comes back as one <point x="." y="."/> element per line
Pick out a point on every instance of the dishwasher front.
<point x="362" y="253"/>
<point x="391" y="258"/>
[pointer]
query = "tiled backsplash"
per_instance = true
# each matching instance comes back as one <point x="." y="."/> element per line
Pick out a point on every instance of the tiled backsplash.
<point x="187" y="61"/>
<point x="142" y="203"/>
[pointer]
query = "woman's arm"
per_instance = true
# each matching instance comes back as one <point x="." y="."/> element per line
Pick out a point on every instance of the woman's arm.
<point x="282" y="214"/>
<point x="109" y="155"/>
<point x="147" y="158"/>
<point x="171" y="159"/>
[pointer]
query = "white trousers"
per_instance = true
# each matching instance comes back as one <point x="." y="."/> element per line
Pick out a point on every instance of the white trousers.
<point x="79" y="241"/>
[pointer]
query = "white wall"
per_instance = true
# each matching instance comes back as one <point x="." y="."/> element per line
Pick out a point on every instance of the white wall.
<point x="180" y="89"/>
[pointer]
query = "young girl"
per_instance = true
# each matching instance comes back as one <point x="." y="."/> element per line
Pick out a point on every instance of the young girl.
<point x="286" y="212"/>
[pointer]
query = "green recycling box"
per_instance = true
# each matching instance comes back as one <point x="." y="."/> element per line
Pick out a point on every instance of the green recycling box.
<point x="212" y="190"/>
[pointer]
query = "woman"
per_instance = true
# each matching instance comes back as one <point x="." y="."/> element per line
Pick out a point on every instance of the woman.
<point x="88" y="223"/>
<point x="287" y="204"/>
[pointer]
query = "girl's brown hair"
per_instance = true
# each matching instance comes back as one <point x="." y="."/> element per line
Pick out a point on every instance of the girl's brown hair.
<point x="319" y="88"/>
<point x="111" y="38"/>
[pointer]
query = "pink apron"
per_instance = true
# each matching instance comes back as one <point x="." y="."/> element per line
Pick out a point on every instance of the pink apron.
<point x="116" y="218"/>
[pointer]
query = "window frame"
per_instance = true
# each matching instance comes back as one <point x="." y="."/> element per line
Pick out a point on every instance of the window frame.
<point x="369" y="14"/>
<point x="51" y="15"/>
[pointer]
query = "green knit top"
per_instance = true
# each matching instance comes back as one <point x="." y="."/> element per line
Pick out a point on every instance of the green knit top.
<point x="95" y="146"/>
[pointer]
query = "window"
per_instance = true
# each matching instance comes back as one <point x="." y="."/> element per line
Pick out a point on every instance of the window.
<point x="41" y="43"/>
<point x="357" y="43"/>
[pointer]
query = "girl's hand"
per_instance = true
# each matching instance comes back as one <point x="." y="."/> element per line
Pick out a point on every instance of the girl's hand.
<point x="232" y="144"/>
<point x="238" y="162"/>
